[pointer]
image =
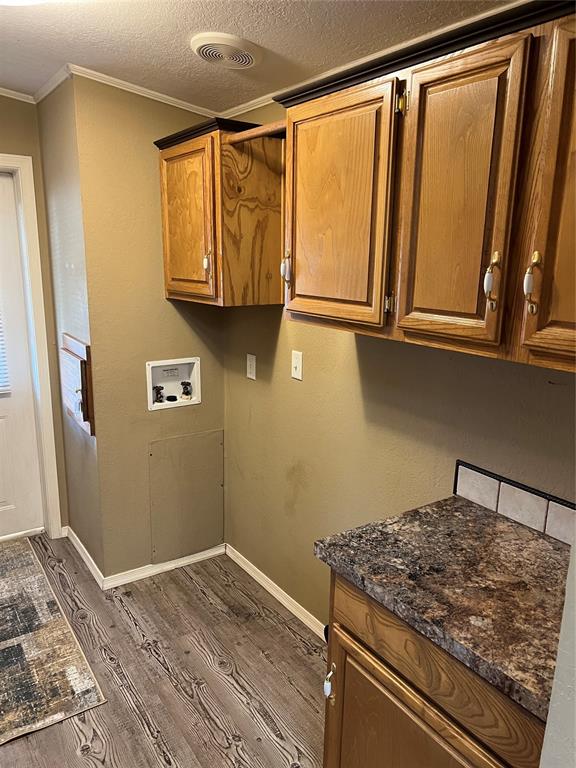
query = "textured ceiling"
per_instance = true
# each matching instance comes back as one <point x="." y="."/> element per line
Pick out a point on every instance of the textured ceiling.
<point x="147" y="43"/>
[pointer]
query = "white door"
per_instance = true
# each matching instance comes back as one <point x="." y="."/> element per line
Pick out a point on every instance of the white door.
<point x="20" y="489"/>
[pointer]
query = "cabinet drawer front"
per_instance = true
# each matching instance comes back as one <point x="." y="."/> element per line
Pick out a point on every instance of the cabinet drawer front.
<point x="339" y="173"/>
<point x="509" y="731"/>
<point x="461" y="142"/>
<point x="550" y="306"/>
<point x="188" y="217"/>
<point x="375" y="715"/>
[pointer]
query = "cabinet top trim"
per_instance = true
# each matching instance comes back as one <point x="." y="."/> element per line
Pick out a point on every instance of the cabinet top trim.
<point x="215" y="124"/>
<point x="507" y="22"/>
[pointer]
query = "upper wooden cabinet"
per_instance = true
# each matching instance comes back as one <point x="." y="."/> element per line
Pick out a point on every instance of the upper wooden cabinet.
<point x="188" y="217"/>
<point x="462" y="134"/>
<point x="445" y="216"/>
<point x="549" y="323"/>
<point x="221" y="216"/>
<point x="339" y="164"/>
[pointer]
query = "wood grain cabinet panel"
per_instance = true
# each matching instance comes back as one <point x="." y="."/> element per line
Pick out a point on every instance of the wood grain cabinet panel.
<point x="338" y="183"/>
<point x="251" y="223"/>
<point x="462" y="135"/>
<point x="495" y="721"/>
<point x="188" y="216"/>
<point x="222" y="219"/>
<point x="549" y="323"/>
<point x="376" y="719"/>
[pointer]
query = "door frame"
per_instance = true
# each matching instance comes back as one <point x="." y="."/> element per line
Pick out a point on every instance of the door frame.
<point x="20" y="168"/>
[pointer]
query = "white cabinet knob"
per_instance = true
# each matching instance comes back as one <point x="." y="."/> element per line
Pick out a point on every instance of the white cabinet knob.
<point x="205" y="262"/>
<point x="489" y="280"/>
<point x="328" y="683"/>
<point x="488" y="283"/>
<point x="528" y="284"/>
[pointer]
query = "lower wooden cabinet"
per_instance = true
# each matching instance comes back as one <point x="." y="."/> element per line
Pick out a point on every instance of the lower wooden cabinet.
<point x="375" y="719"/>
<point x="400" y="701"/>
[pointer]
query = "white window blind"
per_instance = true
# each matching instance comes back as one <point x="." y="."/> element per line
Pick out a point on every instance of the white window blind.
<point x="4" y="377"/>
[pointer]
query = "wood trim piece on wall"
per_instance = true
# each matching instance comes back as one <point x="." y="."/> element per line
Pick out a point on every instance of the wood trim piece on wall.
<point x="145" y="571"/>
<point x="20" y="168"/>
<point x="77" y="353"/>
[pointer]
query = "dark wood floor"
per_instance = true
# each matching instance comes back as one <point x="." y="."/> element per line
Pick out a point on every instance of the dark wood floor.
<point x="200" y="666"/>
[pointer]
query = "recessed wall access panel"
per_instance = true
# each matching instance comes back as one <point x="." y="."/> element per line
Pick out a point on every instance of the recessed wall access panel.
<point x="186" y="494"/>
<point x="172" y="383"/>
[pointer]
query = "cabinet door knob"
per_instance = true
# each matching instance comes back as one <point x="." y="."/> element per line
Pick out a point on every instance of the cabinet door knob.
<point x="206" y="261"/>
<point x="285" y="270"/>
<point x="328" y="683"/>
<point x="528" y="284"/>
<point x="489" y="280"/>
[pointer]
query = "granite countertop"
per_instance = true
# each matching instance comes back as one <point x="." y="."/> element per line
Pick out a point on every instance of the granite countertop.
<point x="488" y="590"/>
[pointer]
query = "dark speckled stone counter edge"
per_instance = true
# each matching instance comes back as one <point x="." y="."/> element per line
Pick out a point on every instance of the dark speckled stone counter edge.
<point x="343" y="554"/>
<point x="483" y="668"/>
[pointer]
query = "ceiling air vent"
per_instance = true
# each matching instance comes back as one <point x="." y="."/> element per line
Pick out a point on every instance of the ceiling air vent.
<point x="226" y="50"/>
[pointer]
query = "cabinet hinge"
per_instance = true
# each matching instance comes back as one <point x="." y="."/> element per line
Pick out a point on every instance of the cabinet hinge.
<point x="389" y="303"/>
<point x="402" y="102"/>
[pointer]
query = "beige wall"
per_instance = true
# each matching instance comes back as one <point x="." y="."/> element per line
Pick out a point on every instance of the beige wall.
<point x="64" y="206"/>
<point x="130" y="320"/>
<point x="559" y="750"/>
<point x="19" y="135"/>
<point x="374" y="428"/>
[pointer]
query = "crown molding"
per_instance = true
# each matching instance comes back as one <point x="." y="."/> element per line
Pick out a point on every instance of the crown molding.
<point x="17" y="95"/>
<point x="53" y="83"/>
<point x="272" y="98"/>
<point x="72" y="69"/>
<point x="261" y="101"/>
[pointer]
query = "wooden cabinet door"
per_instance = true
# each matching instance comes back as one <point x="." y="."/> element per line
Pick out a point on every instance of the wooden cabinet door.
<point x="375" y="719"/>
<point x="338" y="185"/>
<point x="461" y="139"/>
<point x="550" y="287"/>
<point x="188" y="217"/>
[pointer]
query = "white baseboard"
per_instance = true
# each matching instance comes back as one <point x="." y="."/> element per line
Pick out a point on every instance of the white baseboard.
<point x="126" y="577"/>
<point x="21" y="534"/>
<point x="283" y="597"/>
<point x="85" y="555"/>
<point x="145" y="571"/>
<point x="117" y="579"/>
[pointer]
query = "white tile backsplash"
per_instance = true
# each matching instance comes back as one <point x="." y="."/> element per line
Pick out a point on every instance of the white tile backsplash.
<point x="528" y="506"/>
<point x="478" y="487"/>
<point x="561" y="522"/>
<point x="522" y="506"/>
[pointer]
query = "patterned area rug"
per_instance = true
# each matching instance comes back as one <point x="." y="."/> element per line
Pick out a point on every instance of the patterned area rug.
<point x="44" y="675"/>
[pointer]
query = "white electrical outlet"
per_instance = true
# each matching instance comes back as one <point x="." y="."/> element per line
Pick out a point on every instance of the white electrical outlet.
<point x="251" y="367"/>
<point x="296" y="365"/>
